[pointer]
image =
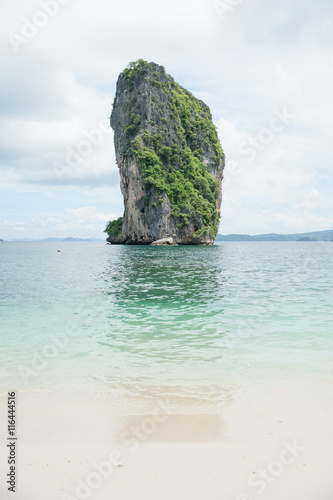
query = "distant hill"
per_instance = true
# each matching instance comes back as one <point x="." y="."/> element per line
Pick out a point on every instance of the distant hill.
<point x="313" y="236"/>
<point x="68" y="239"/>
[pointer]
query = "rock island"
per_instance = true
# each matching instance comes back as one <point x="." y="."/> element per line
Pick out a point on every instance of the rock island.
<point x="170" y="161"/>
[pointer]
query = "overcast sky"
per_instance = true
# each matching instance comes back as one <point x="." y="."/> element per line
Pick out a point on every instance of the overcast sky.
<point x="265" y="68"/>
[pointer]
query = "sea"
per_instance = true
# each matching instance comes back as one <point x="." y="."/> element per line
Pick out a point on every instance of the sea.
<point x="197" y="322"/>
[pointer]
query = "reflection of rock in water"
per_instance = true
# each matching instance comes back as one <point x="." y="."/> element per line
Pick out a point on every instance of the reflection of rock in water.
<point x="181" y="274"/>
<point x="166" y="308"/>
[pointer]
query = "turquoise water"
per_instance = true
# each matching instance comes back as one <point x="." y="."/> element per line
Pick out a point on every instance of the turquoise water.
<point x="120" y="316"/>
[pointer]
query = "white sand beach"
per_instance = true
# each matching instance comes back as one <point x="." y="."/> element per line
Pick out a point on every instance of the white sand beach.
<point x="275" y="445"/>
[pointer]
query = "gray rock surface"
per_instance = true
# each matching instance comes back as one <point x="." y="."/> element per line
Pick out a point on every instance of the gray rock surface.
<point x="164" y="241"/>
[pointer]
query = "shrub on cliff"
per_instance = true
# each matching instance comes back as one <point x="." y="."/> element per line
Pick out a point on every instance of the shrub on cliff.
<point x="114" y="227"/>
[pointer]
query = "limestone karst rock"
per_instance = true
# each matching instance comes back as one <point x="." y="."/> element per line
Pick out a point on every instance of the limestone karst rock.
<point x="169" y="158"/>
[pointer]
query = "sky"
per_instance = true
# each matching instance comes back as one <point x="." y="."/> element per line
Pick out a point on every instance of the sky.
<point x="264" y="67"/>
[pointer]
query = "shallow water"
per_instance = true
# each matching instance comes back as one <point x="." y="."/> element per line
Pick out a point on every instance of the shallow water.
<point x="200" y="318"/>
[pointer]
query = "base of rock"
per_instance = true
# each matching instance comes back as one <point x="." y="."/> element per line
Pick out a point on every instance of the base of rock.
<point x="169" y="241"/>
<point x="165" y="241"/>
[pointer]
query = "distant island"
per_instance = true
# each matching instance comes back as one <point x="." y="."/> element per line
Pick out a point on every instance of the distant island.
<point x="313" y="236"/>
<point x="68" y="239"/>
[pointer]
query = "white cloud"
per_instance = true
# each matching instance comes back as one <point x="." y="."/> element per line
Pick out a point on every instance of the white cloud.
<point x="87" y="215"/>
<point x="83" y="222"/>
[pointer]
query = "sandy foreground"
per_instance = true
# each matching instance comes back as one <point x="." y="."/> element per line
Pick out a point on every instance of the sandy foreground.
<point x="270" y="442"/>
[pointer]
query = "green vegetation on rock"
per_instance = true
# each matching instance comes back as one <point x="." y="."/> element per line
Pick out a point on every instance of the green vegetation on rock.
<point x="114" y="228"/>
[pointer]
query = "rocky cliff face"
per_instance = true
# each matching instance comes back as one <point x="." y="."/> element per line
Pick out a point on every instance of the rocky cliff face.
<point x="169" y="158"/>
